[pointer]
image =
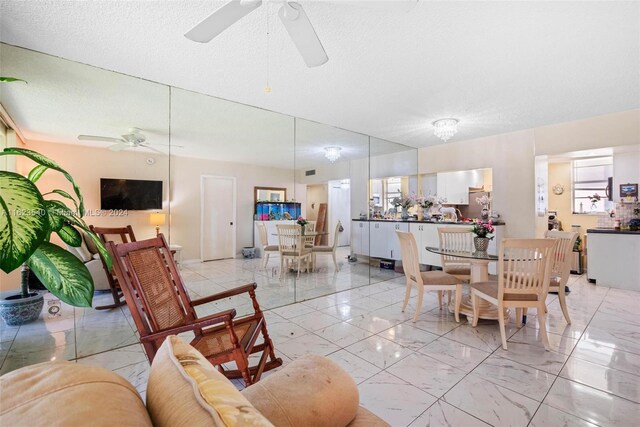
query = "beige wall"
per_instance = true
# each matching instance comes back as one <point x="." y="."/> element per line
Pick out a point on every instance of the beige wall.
<point x="560" y="173"/>
<point x="316" y="194"/>
<point x="511" y="157"/>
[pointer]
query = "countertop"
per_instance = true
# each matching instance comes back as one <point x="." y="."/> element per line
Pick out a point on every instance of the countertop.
<point x="424" y="221"/>
<point x="612" y="231"/>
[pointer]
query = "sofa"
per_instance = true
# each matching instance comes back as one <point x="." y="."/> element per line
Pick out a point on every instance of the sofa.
<point x="87" y="252"/>
<point x="184" y="389"/>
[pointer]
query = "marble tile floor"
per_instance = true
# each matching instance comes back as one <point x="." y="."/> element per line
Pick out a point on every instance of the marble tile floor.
<point x="432" y="372"/>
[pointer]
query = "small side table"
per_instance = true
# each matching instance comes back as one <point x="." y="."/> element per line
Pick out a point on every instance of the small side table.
<point x="177" y="249"/>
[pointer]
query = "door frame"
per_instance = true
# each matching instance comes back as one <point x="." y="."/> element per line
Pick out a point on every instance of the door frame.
<point x="234" y="213"/>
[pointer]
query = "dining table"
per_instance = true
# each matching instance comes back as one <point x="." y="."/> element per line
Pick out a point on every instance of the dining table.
<point x="479" y="261"/>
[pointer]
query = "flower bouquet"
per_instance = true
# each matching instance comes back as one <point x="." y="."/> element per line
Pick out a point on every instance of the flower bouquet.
<point x="483" y="232"/>
<point x="301" y="221"/>
<point x="594" y="199"/>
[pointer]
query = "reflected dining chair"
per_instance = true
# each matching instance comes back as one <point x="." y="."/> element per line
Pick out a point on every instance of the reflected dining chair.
<point x="267" y="249"/>
<point x="161" y="306"/>
<point x="561" y="266"/>
<point x="329" y="249"/>
<point x="425" y="280"/>
<point x="524" y="268"/>
<point x="292" y="248"/>
<point x="309" y="238"/>
<point x="125" y="235"/>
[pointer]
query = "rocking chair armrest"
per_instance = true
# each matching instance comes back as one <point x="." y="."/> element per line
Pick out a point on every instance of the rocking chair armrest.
<point x="224" y="294"/>
<point x="212" y="319"/>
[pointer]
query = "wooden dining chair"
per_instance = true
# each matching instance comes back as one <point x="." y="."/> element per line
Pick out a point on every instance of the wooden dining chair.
<point x="329" y="249"/>
<point x="122" y="235"/>
<point x="456" y="239"/>
<point x="561" y="266"/>
<point x="425" y="280"/>
<point x="524" y="268"/>
<point x="309" y="239"/>
<point x="292" y="248"/>
<point x="160" y="306"/>
<point x="267" y="249"/>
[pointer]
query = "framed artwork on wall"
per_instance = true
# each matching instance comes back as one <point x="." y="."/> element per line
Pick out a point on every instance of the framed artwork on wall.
<point x="628" y="191"/>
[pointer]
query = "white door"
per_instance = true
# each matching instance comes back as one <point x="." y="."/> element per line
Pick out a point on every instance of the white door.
<point x="218" y="227"/>
<point x="339" y="198"/>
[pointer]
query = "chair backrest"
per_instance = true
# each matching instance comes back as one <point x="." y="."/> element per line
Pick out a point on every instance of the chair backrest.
<point x="152" y="286"/>
<point x="336" y="235"/>
<point x="561" y="265"/>
<point x="262" y="232"/>
<point x="125" y="233"/>
<point x="409" y="254"/>
<point x="455" y="239"/>
<point x="290" y="238"/>
<point x="310" y="240"/>
<point x="525" y="266"/>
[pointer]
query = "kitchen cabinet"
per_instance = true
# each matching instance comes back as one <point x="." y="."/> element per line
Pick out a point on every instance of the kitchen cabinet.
<point x="454" y="186"/>
<point x="360" y="237"/>
<point x="612" y="258"/>
<point x="384" y="241"/>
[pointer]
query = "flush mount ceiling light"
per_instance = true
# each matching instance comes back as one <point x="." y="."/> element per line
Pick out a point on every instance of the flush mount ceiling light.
<point x="445" y="128"/>
<point x="332" y="153"/>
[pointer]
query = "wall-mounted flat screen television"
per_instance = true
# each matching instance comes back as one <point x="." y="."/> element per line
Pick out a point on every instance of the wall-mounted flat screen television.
<point x="130" y="194"/>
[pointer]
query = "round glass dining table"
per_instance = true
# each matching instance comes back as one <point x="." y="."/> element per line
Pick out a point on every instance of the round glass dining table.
<point x="479" y="273"/>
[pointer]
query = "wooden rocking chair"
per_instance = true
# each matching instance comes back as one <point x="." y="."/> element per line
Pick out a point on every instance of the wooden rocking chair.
<point x="126" y="235"/>
<point x="160" y="306"/>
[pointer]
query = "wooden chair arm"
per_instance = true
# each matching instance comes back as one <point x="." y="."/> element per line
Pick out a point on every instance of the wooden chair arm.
<point x="212" y="319"/>
<point x="224" y="294"/>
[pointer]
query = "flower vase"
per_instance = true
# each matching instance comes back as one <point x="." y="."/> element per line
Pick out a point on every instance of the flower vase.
<point x="405" y="214"/>
<point x="485" y="213"/>
<point x="302" y="230"/>
<point x="481" y="243"/>
<point x="426" y="214"/>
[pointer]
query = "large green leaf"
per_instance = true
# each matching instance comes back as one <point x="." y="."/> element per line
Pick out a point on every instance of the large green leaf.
<point x="78" y="222"/>
<point x="63" y="274"/>
<point x="56" y="214"/>
<point x="66" y="196"/>
<point x="11" y="79"/>
<point x="36" y="173"/>
<point x="45" y="161"/>
<point x="24" y="223"/>
<point x="70" y="236"/>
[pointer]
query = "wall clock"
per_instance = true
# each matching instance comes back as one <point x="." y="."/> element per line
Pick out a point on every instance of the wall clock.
<point x="558" y="189"/>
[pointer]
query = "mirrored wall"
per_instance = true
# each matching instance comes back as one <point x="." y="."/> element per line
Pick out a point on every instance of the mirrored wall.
<point x="211" y="157"/>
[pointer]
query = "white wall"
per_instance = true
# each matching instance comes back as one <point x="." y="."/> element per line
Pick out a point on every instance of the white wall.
<point x="626" y="169"/>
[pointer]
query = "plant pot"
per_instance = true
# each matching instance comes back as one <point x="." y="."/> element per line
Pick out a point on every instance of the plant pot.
<point x="405" y="213"/>
<point x="426" y="214"/>
<point x="481" y="243"/>
<point x="16" y="310"/>
<point x="484" y="214"/>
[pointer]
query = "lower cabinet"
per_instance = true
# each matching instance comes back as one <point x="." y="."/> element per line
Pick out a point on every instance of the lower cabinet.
<point x="384" y="241"/>
<point x="360" y="237"/>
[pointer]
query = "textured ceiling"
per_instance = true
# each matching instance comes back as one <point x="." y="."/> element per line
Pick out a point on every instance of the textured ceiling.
<point x="393" y="69"/>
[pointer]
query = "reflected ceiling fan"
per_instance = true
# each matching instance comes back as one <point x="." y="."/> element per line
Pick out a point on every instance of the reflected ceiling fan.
<point x="292" y="15"/>
<point x="133" y="139"/>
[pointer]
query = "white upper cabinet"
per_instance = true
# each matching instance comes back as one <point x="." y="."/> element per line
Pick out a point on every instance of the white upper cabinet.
<point x="454" y="186"/>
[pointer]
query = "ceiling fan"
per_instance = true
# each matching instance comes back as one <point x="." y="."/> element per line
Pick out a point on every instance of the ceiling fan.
<point x="132" y="139"/>
<point x="291" y="14"/>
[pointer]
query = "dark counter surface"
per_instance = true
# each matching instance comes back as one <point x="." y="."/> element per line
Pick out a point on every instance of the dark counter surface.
<point x="424" y="221"/>
<point x="612" y="231"/>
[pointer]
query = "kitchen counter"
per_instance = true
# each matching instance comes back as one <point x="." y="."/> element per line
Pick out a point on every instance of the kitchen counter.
<point x="424" y="221"/>
<point x="612" y="231"/>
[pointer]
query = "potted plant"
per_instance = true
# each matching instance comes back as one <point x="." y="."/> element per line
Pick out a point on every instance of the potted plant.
<point x="302" y="222"/>
<point x="28" y="218"/>
<point x="405" y="202"/>
<point x="483" y="232"/>
<point x="426" y="203"/>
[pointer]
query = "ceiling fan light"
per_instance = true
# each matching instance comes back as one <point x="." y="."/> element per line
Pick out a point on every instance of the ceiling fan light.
<point x="445" y="129"/>
<point x="332" y="153"/>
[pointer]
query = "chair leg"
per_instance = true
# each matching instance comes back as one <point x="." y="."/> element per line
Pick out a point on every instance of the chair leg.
<point x="407" y="294"/>
<point x="440" y="299"/>
<point x="518" y="316"/>
<point x="542" y="323"/>
<point x="457" y="303"/>
<point x="335" y="262"/>
<point x="563" y="304"/>
<point x="476" y="308"/>
<point x="266" y="260"/>
<point x="418" y="304"/>
<point x="503" y="333"/>
<point x="524" y="315"/>
<point x="243" y="367"/>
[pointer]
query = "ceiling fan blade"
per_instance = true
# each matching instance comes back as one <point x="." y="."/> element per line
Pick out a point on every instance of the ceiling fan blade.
<point x="119" y="147"/>
<point x="221" y="19"/>
<point x="99" y="138"/>
<point x="301" y="31"/>
<point x="169" y="145"/>
<point x="151" y="148"/>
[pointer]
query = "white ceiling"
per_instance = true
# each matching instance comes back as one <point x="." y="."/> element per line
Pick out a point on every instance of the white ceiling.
<point x="497" y="66"/>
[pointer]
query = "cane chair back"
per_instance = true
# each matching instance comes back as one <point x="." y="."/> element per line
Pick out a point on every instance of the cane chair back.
<point x="456" y="239"/>
<point x="160" y="306"/>
<point x="431" y="280"/>
<point x="119" y="235"/>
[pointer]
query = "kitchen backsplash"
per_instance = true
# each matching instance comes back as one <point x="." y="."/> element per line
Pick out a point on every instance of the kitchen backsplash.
<point x="624" y="212"/>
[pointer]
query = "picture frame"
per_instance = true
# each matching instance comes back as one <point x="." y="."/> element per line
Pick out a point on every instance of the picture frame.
<point x="628" y="190"/>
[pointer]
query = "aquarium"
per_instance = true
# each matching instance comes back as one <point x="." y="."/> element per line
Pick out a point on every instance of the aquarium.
<point x="277" y="211"/>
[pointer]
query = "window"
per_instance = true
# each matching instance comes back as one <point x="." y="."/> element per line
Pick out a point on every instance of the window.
<point x="590" y="179"/>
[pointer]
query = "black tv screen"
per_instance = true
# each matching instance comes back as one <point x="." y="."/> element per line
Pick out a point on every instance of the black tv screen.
<point x="130" y="194"/>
